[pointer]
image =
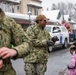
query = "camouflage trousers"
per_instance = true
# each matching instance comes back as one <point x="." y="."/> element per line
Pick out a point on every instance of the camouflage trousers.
<point x="11" y="71"/>
<point x="35" y="68"/>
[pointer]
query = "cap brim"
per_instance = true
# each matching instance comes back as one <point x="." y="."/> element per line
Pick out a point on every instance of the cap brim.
<point x="46" y="19"/>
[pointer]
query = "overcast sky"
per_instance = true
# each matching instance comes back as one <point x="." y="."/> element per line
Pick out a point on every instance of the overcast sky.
<point x="48" y="3"/>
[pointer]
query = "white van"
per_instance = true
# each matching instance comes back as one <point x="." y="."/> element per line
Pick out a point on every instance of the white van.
<point x="61" y="32"/>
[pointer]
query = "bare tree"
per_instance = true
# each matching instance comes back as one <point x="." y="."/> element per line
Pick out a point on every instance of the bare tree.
<point x="54" y="7"/>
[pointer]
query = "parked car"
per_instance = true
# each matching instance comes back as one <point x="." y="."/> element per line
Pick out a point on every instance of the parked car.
<point x="61" y="32"/>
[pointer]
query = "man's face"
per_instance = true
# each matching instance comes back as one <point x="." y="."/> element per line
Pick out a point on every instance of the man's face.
<point x="42" y="23"/>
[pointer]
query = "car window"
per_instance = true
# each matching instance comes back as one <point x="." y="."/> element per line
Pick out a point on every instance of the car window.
<point x="56" y="29"/>
<point x="48" y="29"/>
<point x="63" y="29"/>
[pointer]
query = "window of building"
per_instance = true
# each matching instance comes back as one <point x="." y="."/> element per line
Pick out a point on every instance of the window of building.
<point x="11" y="8"/>
<point x="4" y="6"/>
<point x="18" y="7"/>
<point x="7" y="7"/>
<point x="35" y="11"/>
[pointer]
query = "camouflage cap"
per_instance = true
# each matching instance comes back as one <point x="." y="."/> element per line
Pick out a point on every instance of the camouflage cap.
<point x="41" y="17"/>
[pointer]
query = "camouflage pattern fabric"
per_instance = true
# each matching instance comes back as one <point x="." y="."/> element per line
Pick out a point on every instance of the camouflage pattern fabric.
<point x="36" y="61"/>
<point x="32" y="68"/>
<point x="39" y="51"/>
<point x="11" y="32"/>
<point x="10" y="71"/>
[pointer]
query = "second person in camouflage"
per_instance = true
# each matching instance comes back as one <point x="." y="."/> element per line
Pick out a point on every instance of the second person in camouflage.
<point x="36" y="61"/>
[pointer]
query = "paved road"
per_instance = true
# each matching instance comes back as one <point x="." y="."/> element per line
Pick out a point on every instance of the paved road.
<point x="57" y="62"/>
<point x="19" y="66"/>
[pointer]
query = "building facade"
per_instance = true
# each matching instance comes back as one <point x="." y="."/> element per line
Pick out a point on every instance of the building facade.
<point x="22" y="6"/>
<point x="34" y="6"/>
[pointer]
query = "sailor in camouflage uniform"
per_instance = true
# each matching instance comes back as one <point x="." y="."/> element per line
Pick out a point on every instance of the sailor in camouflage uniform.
<point x="11" y="32"/>
<point x="36" y="61"/>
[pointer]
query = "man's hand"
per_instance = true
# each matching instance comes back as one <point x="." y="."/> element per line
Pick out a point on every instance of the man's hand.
<point x="1" y="64"/>
<point x="7" y="53"/>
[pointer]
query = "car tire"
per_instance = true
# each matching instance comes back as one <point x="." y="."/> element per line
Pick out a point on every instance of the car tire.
<point x="50" y="49"/>
<point x="65" y="45"/>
